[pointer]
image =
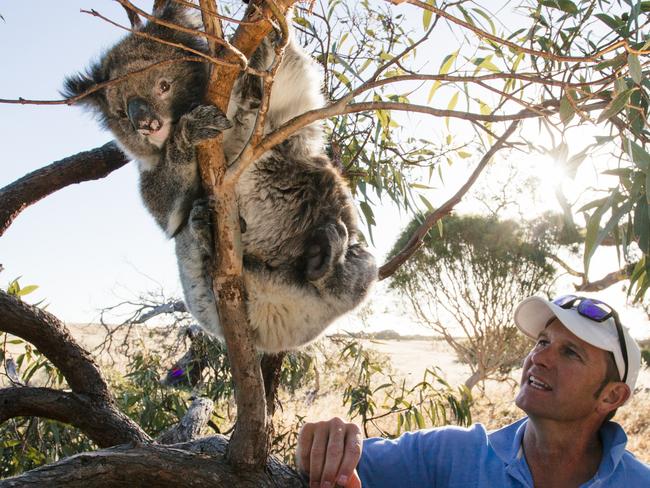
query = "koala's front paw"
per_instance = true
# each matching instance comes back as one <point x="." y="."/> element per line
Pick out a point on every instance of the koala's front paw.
<point x="200" y="224"/>
<point x="203" y="122"/>
<point x="324" y="249"/>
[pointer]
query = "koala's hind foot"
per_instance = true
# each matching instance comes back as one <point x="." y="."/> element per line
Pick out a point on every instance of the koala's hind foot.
<point x="203" y="122"/>
<point x="326" y="247"/>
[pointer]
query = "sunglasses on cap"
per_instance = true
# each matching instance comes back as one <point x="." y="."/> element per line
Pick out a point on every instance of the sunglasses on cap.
<point x="598" y="312"/>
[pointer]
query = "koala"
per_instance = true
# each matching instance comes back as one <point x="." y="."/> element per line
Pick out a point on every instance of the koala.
<point x="304" y="265"/>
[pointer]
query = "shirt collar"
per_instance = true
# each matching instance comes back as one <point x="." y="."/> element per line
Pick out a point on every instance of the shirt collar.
<point x="506" y="443"/>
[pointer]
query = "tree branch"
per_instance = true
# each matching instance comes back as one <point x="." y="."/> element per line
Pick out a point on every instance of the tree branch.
<point x="566" y="267"/>
<point x="607" y="280"/>
<point x="196" y="464"/>
<point x="101" y="422"/>
<point x="50" y="336"/>
<point x="191" y="425"/>
<point x="88" y="165"/>
<point x="416" y="239"/>
<point x="249" y="443"/>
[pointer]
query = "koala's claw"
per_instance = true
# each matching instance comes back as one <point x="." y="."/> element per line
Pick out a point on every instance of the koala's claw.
<point x="324" y="249"/>
<point x="205" y="122"/>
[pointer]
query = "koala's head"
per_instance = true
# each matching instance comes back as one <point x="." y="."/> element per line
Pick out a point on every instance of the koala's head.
<point x="141" y="109"/>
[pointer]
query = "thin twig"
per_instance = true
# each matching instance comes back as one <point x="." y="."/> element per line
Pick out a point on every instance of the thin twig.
<point x="243" y="62"/>
<point x="416" y="239"/>
<point x="177" y="45"/>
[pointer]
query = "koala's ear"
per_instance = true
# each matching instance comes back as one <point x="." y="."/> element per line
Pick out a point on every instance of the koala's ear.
<point x="178" y="14"/>
<point x="79" y="83"/>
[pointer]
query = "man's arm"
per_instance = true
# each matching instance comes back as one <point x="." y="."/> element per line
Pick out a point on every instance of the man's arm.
<point x="329" y="453"/>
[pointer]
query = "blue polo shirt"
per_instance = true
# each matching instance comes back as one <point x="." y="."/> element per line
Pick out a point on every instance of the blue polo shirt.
<point x="458" y="457"/>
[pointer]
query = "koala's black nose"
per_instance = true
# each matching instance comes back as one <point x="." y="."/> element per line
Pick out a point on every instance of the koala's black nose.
<point x="142" y="116"/>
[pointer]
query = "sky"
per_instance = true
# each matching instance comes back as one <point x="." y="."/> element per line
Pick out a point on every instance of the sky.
<point x="93" y="245"/>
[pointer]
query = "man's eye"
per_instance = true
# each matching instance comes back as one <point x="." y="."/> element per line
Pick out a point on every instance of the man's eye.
<point x="571" y="352"/>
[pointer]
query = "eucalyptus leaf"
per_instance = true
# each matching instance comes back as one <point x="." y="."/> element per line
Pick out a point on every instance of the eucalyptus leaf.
<point x="615" y="106"/>
<point x="635" y="68"/>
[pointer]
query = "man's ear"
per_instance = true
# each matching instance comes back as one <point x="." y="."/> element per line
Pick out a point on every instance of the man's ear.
<point x="80" y="83"/>
<point x="614" y="395"/>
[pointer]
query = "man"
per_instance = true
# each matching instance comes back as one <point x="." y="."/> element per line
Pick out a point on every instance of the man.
<point x="583" y="366"/>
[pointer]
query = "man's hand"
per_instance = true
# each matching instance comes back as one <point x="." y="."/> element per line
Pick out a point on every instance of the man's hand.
<point x="329" y="453"/>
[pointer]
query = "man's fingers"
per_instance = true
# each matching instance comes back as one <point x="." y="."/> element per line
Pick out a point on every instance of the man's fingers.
<point x="335" y="449"/>
<point x="329" y="452"/>
<point x="318" y="453"/>
<point x="305" y="439"/>
<point x="351" y="455"/>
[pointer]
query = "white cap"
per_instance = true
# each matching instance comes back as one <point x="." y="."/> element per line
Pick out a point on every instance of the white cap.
<point x="533" y="314"/>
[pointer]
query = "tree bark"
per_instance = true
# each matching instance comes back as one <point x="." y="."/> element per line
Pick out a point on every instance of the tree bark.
<point x="191" y="425"/>
<point x="85" y="166"/>
<point x="199" y="463"/>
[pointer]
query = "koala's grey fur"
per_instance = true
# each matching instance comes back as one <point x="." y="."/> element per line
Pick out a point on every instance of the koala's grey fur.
<point x="304" y="265"/>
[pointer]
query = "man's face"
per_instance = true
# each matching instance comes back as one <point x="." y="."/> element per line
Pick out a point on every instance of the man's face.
<point x="561" y="376"/>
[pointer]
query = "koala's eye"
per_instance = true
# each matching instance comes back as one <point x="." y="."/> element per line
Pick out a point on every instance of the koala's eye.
<point x="164" y="86"/>
<point x="122" y="114"/>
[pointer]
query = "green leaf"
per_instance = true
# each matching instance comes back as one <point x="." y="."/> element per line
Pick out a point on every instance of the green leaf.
<point x="635" y="68"/>
<point x="484" y="108"/>
<point x="642" y="225"/>
<point x="26" y="290"/>
<point x="487" y="17"/>
<point x="343" y="79"/>
<point x="616" y="105"/>
<point x="433" y="90"/>
<point x="613" y="23"/>
<point x="489" y="65"/>
<point x="367" y="213"/>
<point x="639" y="156"/>
<point x="593" y="227"/>
<point x="566" y="110"/>
<point x="427" y="203"/>
<point x="612" y="223"/>
<point x="448" y="62"/>
<point x="427" y="14"/>
<point x="574" y="162"/>
<point x="453" y="101"/>
<point x="565" y="5"/>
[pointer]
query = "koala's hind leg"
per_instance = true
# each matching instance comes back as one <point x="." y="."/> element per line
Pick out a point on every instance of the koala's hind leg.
<point x="325" y="248"/>
<point x="194" y="254"/>
<point x="343" y="272"/>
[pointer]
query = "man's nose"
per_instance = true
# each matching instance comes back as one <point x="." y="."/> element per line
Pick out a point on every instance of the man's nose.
<point x="543" y="356"/>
